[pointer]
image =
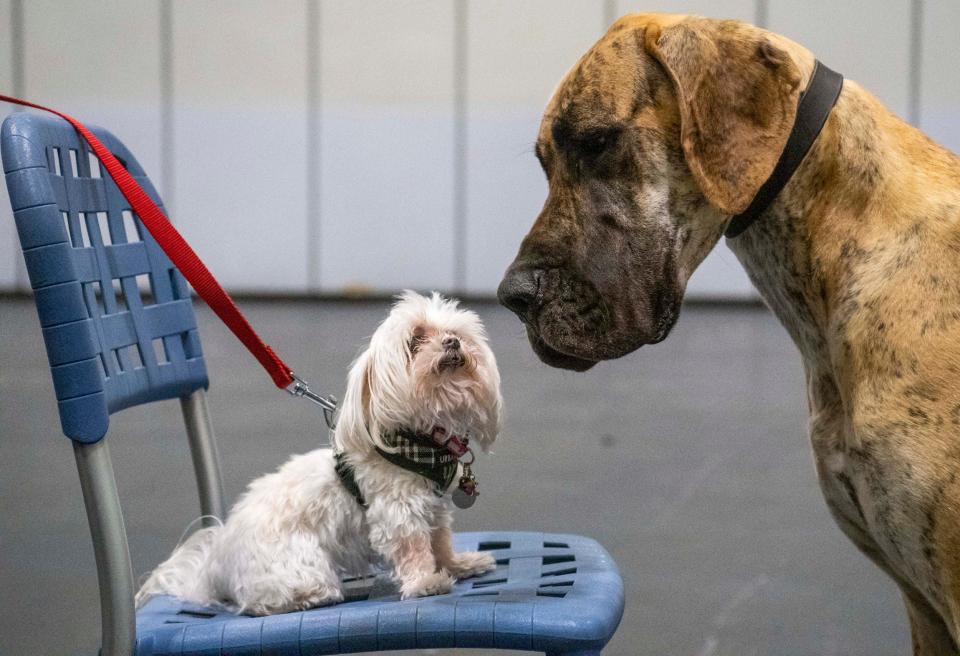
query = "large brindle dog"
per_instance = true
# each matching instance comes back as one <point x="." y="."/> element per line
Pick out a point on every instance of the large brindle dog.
<point x="661" y="132"/>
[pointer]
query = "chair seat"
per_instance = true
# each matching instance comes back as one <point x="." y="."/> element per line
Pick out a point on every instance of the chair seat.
<point x="549" y="593"/>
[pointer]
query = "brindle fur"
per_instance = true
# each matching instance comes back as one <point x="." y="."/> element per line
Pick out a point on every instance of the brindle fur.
<point x="668" y="126"/>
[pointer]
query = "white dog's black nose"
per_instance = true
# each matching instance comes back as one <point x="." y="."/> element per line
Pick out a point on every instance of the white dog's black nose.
<point x="451" y="343"/>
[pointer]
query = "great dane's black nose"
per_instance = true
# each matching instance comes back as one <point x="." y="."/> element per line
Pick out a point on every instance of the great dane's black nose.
<point x="518" y="290"/>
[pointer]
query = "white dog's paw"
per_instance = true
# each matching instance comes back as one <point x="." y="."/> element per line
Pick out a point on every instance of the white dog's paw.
<point x="296" y="601"/>
<point x="324" y="596"/>
<point x="471" y="563"/>
<point x="434" y="583"/>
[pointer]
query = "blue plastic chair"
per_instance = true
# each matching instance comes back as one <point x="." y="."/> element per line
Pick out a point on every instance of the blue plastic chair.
<point x="119" y="328"/>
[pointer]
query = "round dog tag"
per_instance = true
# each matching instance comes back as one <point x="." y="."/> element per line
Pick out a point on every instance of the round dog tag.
<point x="463" y="500"/>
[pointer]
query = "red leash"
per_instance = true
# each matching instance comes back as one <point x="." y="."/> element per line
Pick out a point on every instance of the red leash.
<point x="190" y="265"/>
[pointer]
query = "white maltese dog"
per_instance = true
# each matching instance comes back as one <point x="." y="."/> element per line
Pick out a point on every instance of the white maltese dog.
<point x="426" y="385"/>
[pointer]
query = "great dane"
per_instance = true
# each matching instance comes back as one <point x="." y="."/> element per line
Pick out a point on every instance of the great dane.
<point x="666" y="128"/>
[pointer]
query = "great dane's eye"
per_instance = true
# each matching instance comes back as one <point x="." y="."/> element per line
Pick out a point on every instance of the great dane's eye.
<point x="593" y="147"/>
<point x="586" y="148"/>
<point x="594" y="144"/>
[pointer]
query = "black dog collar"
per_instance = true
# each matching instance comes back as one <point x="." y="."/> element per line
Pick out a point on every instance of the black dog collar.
<point x="814" y="106"/>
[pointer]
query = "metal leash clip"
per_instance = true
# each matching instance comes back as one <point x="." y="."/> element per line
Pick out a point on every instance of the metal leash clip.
<point x="300" y="388"/>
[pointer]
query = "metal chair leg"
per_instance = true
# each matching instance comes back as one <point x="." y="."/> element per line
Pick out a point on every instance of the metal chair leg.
<point x="203" y="451"/>
<point x="114" y="573"/>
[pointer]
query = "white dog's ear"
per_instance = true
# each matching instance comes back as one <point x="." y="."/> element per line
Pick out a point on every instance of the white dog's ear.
<point x="353" y="417"/>
<point x="492" y="427"/>
<point x="388" y="385"/>
<point x="487" y="433"/>
<point x="377" y="395"/>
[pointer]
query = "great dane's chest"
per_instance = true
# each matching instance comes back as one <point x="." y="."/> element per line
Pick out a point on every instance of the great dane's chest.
<point x="876" y="495"/>
<point x="844" y="478"/>
<point x="868" y="484"/>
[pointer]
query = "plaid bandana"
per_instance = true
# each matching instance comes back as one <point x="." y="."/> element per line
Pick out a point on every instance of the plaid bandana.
<point x="416" y="453"/>
<point x="421" y="455"/>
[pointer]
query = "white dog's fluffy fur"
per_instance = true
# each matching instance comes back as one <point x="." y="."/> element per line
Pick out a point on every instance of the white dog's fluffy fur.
<point x="295" y="532"/>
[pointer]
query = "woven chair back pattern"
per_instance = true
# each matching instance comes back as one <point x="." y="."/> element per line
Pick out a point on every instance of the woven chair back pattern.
<point x="117" y="317"/>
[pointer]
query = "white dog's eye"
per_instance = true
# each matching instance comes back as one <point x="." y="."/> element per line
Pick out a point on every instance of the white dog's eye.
<point x="416" y="341"/>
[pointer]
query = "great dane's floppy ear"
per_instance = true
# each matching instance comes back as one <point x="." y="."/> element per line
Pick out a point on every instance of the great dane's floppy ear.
<point x="738" y="96"/>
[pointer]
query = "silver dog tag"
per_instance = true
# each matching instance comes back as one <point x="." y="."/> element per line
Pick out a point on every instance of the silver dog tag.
<point x="466" y="493"/>
<point x="463" y="500"/>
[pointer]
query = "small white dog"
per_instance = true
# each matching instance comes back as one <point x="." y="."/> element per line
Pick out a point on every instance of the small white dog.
<point x="379" y="494"/>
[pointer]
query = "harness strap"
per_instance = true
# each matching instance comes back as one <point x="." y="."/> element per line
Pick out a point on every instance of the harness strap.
<point x="179" y="252"/>
<point x="347" y="477"/>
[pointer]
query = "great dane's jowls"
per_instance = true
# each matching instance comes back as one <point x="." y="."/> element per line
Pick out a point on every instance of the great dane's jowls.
<point x="665" y="129"/>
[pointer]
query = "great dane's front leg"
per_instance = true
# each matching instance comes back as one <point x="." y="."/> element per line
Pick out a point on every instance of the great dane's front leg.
<point x="400" y="531"/>
<point x="461" y="565"/>
<point x="928" y="632"/>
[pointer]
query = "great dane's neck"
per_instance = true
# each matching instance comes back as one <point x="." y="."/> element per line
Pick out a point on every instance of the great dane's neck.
<point x="806" y="254"/>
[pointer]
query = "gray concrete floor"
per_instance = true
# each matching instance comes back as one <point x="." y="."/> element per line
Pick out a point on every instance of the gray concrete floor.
<point x="688" y="460"/>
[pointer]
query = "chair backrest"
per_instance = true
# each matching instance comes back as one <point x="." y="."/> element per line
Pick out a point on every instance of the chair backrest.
<point x="117" y="316"/>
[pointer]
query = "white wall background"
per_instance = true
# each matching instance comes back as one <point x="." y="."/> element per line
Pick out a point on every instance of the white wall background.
<point x="331" y="146"/>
